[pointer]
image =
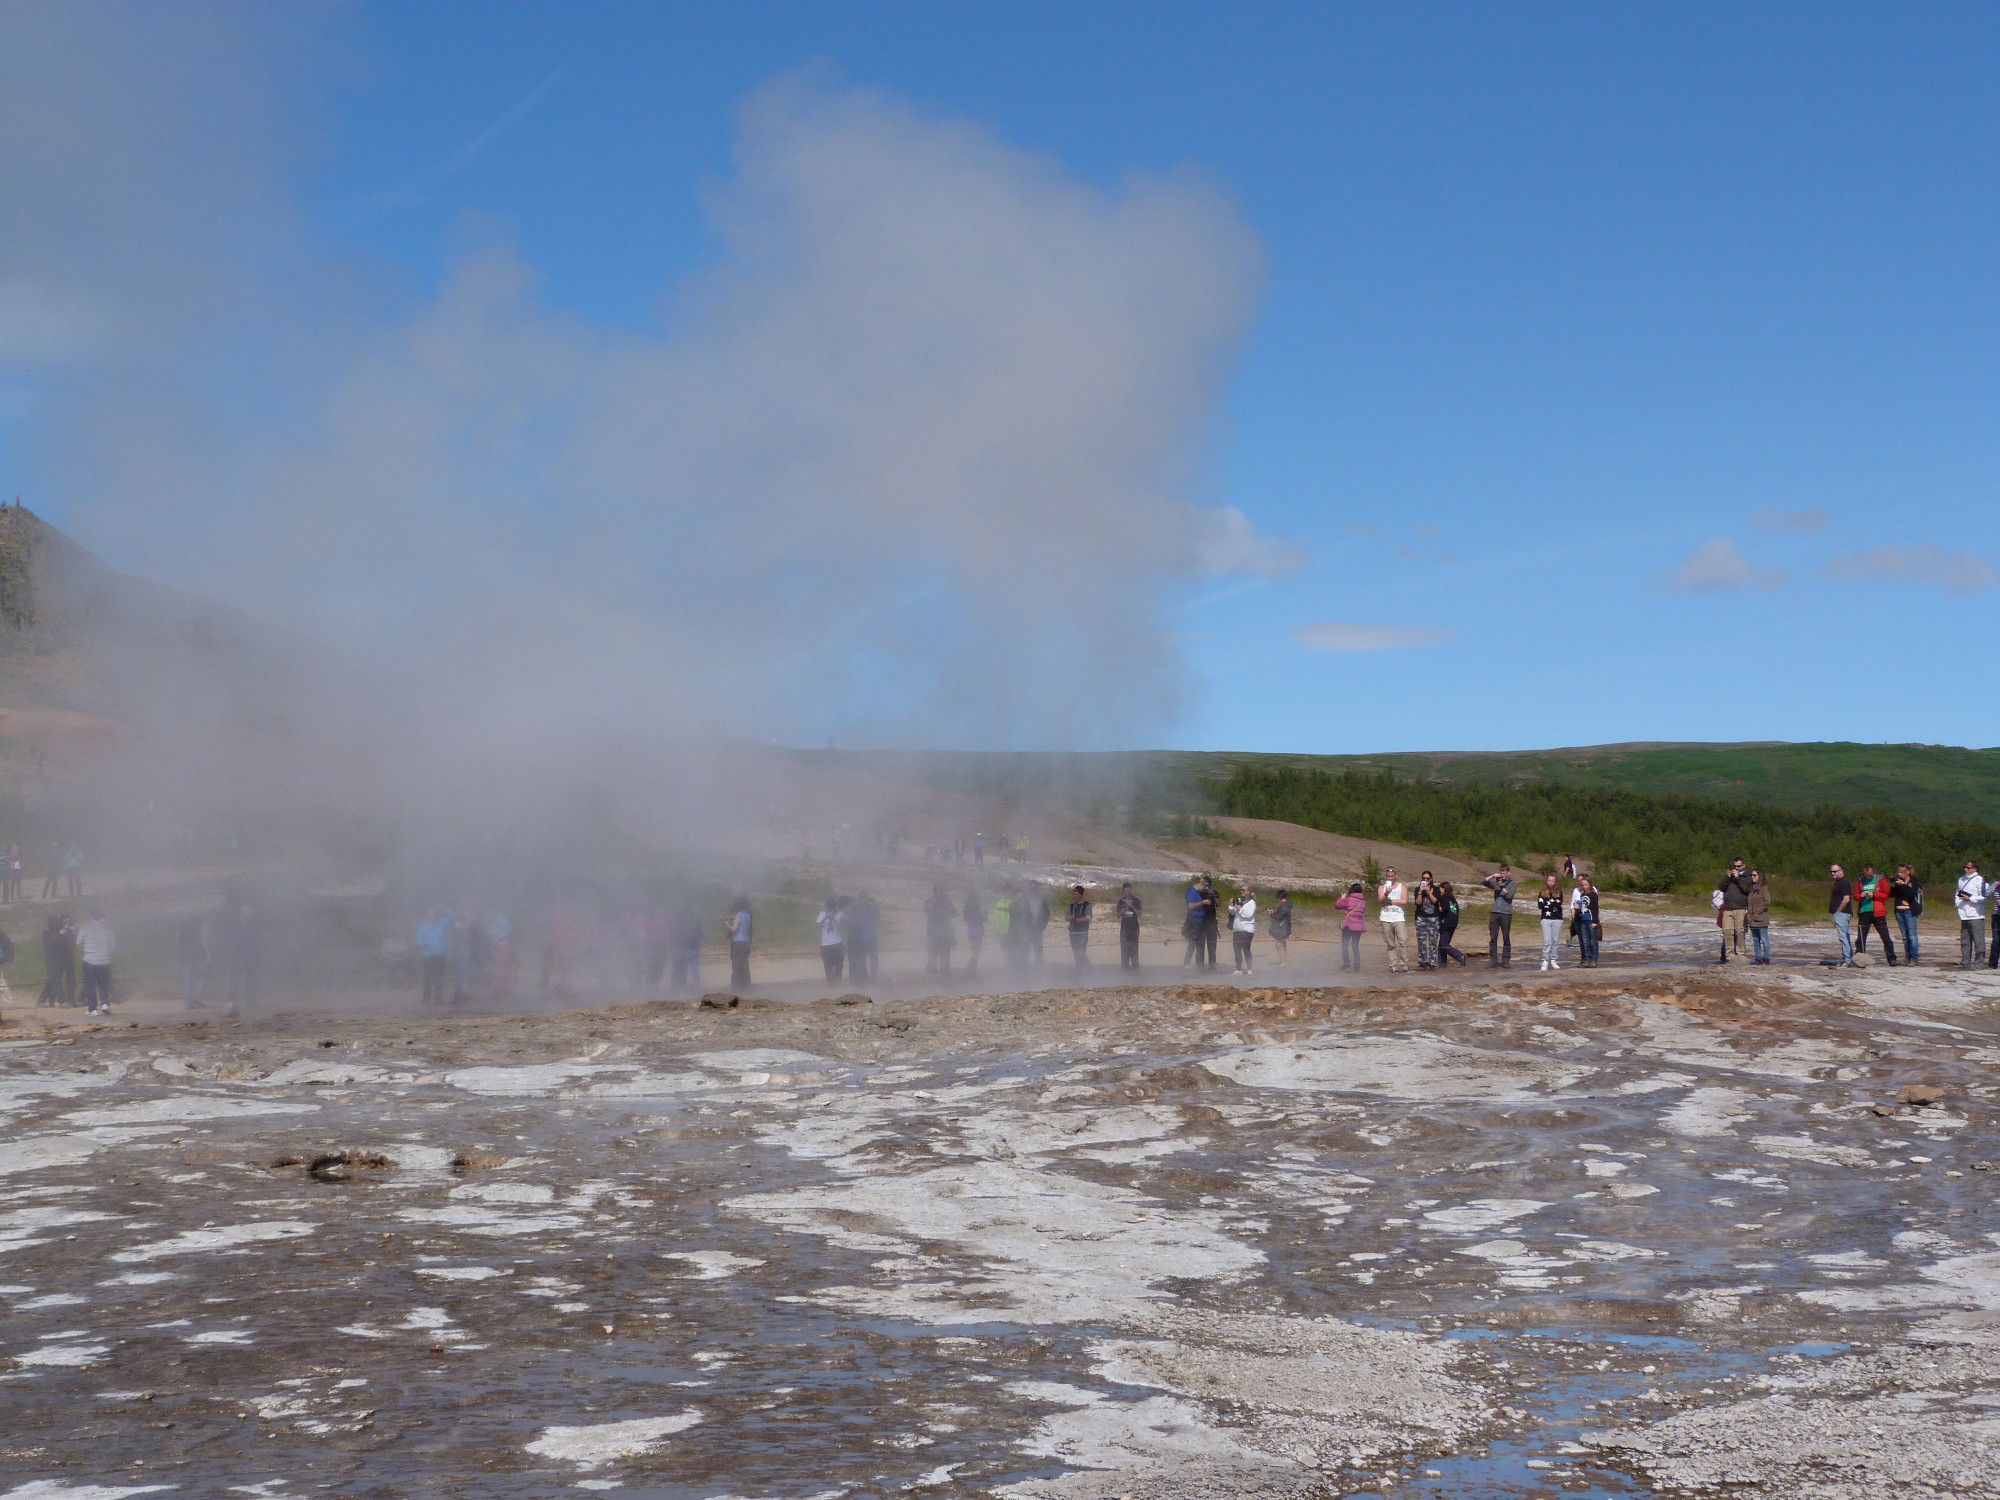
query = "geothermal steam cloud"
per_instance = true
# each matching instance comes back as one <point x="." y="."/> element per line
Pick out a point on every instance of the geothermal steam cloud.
<point x="920" y="455"/>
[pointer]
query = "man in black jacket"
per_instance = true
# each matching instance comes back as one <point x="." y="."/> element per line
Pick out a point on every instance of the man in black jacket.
<point x="1039" y="924"/>
<point x="1210" y="927"/>
<point x="1735" y="902"/>
<point x="1129" y="908"/>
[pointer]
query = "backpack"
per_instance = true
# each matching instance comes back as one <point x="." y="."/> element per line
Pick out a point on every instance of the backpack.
<point x="1916" y="899"/>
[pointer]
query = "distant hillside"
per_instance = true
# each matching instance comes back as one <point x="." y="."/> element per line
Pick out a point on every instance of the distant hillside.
<point x="121" y="696"/>
<point x="1928" y="781"/>
<point x="1931" y="781"/>
<point x="77" y="636"/>
<point x="1648" y="841"/>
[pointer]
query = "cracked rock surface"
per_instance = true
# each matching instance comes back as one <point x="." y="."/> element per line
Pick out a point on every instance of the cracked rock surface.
<point x="1601" y="1235"/>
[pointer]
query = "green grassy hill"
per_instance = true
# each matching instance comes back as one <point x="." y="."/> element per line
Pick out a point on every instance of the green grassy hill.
<point x="1932" y="781"/>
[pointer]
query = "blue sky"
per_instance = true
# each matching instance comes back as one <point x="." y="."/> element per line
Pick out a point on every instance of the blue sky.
<point x="1635" y="364"/>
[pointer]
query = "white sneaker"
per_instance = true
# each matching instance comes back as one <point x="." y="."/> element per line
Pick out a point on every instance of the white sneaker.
<point x="1555" y="966"/>
<point x="1545" y="966"/>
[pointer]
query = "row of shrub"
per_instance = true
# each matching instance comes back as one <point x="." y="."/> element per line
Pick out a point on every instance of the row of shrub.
<point x="1645" y="842"/>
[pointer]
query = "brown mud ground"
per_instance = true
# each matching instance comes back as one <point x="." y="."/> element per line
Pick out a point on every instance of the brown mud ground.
<point x="1585" y="1234"/>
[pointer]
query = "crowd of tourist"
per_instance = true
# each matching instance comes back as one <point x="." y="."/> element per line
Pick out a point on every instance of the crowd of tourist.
<point x="457" y="953"/>
<point x="961" y="850"/>
<point x="60" y="866"/>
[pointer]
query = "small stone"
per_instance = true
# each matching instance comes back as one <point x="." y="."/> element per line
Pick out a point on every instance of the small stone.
<point x="1919" y="1093"/>
<point x="476" y="1161"/>
<point x="720" y="1002"/>
<point x="334" y="1166"/>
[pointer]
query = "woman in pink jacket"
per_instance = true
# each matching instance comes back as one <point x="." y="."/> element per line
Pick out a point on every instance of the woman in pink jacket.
<point x="1353" y="922"/>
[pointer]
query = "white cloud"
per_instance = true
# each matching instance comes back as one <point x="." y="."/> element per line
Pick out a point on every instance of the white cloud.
<point x="1769" y="519"/>
<point x="1331" y="635"/>
<point x="1229" y="546"/>
<point x="1954" y="572"/>
<point x="1718" y="568"/>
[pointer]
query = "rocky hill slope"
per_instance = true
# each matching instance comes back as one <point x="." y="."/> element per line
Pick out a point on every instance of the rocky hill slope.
<point x="119" y="693"/>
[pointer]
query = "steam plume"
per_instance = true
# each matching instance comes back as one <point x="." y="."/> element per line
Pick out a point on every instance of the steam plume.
<point x="920" y="459"/>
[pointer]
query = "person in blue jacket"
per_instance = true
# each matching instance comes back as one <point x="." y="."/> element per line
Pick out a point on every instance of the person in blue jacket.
<point x="433" y="942"/>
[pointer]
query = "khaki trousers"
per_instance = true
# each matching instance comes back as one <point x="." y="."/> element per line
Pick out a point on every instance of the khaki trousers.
<point x="1732" y="925"/>
<point x="1397" y="943"/>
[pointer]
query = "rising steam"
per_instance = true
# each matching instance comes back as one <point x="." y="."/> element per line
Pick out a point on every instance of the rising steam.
<point x="919" y="459"/>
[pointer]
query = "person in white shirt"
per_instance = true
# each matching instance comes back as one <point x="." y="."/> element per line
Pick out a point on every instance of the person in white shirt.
<point x="1549" y="906"/>
<point x="832" y="921"/>
<point x="1972" y="894"/>
<point x="1242" y="927"/>
<point x="96" y="943"/>
<point x="1390" y="896"/>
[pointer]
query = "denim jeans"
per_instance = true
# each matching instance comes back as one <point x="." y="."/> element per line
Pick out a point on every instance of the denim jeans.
<point x="97" y="986"/>
<point x="1760" y="944"/>
<point x="1843" y="923"/>
<point x="1587" y="939"/>
<point x="1907" y="920"/>
<point x="1350" y="950"/>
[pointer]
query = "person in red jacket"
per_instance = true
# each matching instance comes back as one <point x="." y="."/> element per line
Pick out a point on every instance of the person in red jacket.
<point x="1871" y="905"/>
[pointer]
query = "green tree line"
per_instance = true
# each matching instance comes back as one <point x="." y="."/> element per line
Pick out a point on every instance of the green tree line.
<point x="1645" y="841"/>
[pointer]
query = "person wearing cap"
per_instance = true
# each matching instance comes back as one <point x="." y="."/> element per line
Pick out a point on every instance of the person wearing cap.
<point x="1735" y="902"/>
<point x="1389" y="897"/>
<point x="1500" y="921"/>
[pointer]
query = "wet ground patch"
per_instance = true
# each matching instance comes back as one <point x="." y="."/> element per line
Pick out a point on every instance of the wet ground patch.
<point x="1503" y="1239"/>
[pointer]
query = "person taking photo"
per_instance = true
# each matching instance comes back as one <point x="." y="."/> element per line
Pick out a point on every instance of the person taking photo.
<point x="1500" y="921"/>
<point x="1390" y="897"/>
